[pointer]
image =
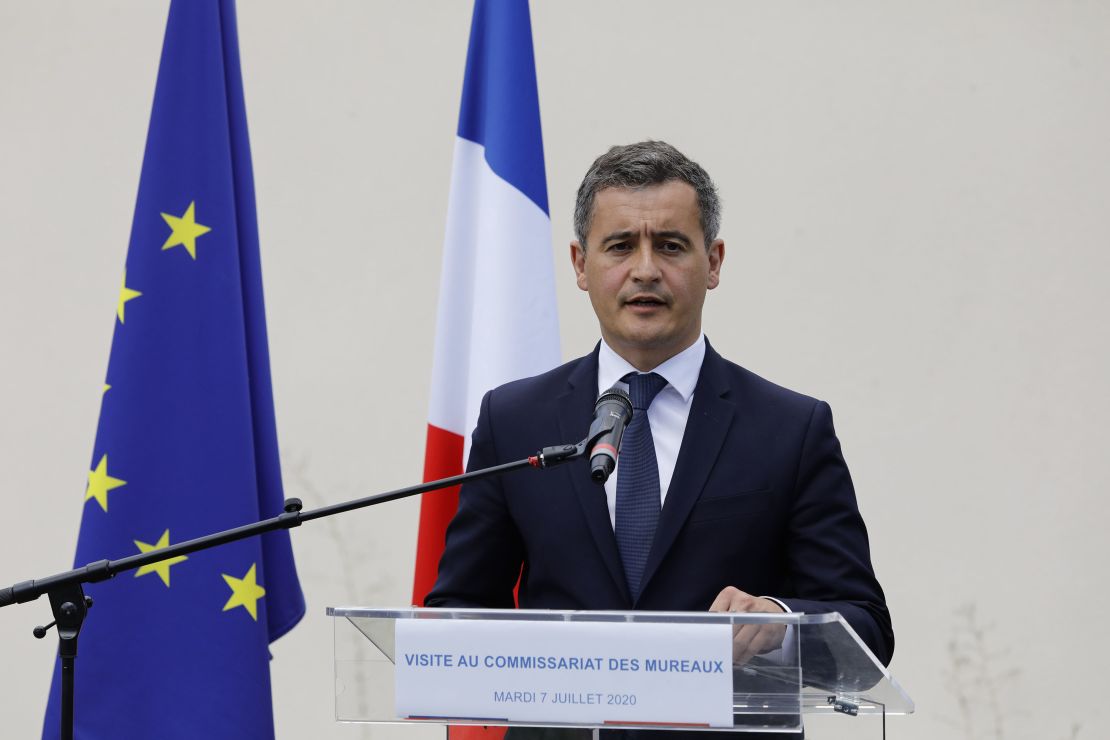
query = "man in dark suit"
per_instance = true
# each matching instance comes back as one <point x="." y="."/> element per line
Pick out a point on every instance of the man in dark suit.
<point x="750" y="504"/>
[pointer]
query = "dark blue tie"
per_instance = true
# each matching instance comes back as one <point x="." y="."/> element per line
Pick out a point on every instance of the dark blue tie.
<point x="638" y="481"/>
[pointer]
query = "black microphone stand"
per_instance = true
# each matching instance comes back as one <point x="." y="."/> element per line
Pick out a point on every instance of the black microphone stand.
<point x="70" y="605"/>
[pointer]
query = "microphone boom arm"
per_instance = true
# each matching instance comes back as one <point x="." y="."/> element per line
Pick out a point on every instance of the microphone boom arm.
<point x="292" y="516"/>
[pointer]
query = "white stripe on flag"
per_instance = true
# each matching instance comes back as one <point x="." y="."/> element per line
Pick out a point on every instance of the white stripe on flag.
<point x="497" y="315"/>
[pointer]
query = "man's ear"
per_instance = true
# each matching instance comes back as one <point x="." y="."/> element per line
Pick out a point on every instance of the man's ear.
<point x="578" y="261"/>
<point x="716" y="257"/>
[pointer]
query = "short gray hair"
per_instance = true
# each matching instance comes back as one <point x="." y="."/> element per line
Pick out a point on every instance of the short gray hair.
<point x="638" y="166"/>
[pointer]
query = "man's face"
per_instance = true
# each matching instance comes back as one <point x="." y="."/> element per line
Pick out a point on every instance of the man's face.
<point x="646" y="269"/>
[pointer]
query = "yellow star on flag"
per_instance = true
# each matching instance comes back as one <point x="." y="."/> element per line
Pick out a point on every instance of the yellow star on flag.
<point x="245" y="592"/>
<point x="162" y="567"/>
<point x="185" y="230"/>
<point x="100" y="483"/>
<point x="125" y="295"/>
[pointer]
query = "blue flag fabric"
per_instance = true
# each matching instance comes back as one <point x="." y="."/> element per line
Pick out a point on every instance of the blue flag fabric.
<point x="187" y="443"/>
<point x="500" y="99"/>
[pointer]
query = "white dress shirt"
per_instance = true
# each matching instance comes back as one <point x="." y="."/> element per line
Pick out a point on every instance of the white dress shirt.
<point x="667" y="414"/>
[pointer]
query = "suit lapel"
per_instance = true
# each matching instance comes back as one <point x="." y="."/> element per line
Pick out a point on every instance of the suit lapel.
<point x="710" y="417"/>
<point x="575" y="411"/>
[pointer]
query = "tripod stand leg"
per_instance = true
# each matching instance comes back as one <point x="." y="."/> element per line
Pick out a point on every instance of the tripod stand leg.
<point x="67" y="698"/>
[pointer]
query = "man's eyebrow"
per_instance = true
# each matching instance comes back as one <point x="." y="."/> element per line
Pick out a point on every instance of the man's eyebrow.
<point x="617" y="235"/>
<point x="676" y="235"/>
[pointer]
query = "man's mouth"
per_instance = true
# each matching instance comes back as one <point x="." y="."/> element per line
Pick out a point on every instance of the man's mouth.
<point x="645" y="301"/>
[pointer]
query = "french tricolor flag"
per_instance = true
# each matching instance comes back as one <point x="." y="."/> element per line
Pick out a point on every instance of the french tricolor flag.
<point x="497" y="317"/>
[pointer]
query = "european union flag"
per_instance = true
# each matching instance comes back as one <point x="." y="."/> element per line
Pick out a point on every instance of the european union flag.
<point x="186" y="443"/>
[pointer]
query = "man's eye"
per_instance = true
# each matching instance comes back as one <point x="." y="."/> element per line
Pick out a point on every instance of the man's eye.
<point x="671" y="247"/>
<point x="619" y="247"/>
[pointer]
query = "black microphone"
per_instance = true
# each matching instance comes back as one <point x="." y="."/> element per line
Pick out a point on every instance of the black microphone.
<point x="612" y="412"/>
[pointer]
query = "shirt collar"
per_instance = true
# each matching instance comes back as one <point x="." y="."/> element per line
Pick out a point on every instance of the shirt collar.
<point x="680" y="371"/>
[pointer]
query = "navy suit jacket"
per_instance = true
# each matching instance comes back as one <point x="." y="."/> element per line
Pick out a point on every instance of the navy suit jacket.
<point x="761" y="499"/>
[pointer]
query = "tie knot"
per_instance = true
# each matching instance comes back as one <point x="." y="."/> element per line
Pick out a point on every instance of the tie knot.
<point x="643" y="388"/>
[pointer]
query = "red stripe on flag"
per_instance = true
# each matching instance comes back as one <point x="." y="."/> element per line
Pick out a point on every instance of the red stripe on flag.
<point x="443" y="454"/>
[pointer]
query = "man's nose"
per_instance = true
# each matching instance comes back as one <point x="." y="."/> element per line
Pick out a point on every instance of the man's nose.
<point x="645" y="268"/>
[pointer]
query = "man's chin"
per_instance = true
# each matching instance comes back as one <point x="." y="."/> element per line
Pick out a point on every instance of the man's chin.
<point x="646" y="338"/>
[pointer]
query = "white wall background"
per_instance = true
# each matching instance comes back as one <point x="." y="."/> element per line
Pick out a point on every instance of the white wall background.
<point x="917" y="225"/>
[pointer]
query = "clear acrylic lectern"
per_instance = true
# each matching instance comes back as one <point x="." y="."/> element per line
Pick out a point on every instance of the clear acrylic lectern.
<point x="602" y="669"/>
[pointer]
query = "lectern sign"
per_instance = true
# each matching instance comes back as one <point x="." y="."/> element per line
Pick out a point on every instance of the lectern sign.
<point x="567" y="672"/>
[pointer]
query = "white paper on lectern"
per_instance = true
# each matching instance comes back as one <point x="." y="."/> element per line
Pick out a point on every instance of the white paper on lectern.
<point x="564" y="672"/>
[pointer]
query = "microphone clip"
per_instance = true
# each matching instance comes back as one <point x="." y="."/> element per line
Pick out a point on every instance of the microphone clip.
<point x="549" y="457"/>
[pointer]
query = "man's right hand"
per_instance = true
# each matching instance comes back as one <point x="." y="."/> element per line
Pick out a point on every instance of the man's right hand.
<point x="749" y="640"/>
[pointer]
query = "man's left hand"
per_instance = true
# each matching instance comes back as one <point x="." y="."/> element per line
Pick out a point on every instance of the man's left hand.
<point x="750" y="639"/>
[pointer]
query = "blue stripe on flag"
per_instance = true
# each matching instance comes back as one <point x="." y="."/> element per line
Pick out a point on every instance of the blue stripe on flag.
<point x="500" y="104"/>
